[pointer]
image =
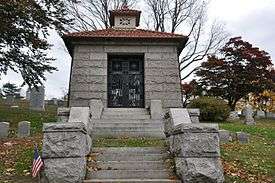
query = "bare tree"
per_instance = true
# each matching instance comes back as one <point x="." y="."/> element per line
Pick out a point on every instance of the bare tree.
<point x="190" y="14"/>
<point x="188" y="17"/>
<point x="159" y="10"/>
<point x="93" y="14"/>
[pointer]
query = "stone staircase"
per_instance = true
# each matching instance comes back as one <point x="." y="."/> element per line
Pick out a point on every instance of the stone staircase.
<point x="129" y="165"/>
<point x="127" y="122"/>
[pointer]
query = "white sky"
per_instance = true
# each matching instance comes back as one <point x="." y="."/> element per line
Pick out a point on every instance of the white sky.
<point x="254" y="20"/>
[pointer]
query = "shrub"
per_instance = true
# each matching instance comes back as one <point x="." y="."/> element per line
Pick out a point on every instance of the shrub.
<point x="211" y="108"/>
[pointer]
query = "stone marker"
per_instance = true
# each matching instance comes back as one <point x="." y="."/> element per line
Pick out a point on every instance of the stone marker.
<point x="260" y="114"/>
<point x="4" y="129"/>
<point x="194" y="115"/>
<point x="37" y="99"/>
<point x="242" y="137"/>
<point x="270" y="115"/>
<point x="24" y="129"/>
<point x="249" y="120"/>
<point x="224" y="136"/>
<point x="177" y="116"/>
<point x="9" y="100"/>
<point x="233" y="116"/>
<point x="156" y="110"/>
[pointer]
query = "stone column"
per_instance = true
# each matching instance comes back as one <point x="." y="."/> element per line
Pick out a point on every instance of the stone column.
<point x="197" y="152"/>
<point x="65" y="147"/>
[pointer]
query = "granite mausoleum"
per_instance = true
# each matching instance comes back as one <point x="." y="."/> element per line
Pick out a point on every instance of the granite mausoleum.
<point x="123" y="80"/>
<point x="124" y="66"/>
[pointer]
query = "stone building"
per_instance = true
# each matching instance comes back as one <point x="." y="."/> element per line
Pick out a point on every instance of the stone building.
<point x="123" y="66"/>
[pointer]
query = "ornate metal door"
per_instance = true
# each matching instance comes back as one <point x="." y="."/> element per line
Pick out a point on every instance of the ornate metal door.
<point x="126" y="81"/>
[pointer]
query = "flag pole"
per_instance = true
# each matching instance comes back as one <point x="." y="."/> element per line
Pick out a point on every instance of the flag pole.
<point x="39" y="181"/>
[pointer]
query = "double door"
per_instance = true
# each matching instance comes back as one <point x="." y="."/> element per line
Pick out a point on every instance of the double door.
<point x="126" y="81"/>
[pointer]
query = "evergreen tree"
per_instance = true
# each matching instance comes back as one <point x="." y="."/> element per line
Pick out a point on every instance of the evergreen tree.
<point x="24" y="28"/>
<point x="10" y="89"/>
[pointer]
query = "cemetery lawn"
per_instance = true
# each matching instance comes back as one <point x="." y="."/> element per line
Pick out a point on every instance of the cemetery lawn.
<point x="16" y="154"/>
<point x="22" y="113"/>
<point x="254" y="161"/>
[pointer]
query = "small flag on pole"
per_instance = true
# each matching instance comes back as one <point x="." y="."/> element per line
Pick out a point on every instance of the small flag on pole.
<point x="37" y="162"/>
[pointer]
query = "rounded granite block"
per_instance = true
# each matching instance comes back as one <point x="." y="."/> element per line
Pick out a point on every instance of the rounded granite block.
<point x="200" y="170"/>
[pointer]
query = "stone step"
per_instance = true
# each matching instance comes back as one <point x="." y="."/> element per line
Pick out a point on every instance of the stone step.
<point x="129" y="125"/>
<point x="127" y="165"/>
<point x="120" y="150"/>
<point x="125" y="110"/>
<point x="127" y="128"/>
<point x="126" y="116"/>
<point x="127" y="121"/>
<point x="101" y="132"/>
<point x="128" y="174"/>
<point x="132" y="181"/>
<point x="128" y="157"/>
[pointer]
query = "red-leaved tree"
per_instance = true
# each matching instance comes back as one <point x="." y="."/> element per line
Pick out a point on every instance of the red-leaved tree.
<point x="238" y="70"/>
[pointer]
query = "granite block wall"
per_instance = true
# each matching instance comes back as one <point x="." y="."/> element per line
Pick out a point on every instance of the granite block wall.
<point x="89" y="73"/>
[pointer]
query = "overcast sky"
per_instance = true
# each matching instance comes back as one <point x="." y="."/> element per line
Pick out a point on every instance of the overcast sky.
<point x="254" y="20"/>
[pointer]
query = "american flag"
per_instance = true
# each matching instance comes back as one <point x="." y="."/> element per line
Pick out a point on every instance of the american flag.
<point x="37" y="162"/>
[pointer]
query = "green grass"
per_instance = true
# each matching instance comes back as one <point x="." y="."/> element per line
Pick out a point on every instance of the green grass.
<point x="16" y="115"/>
<point x="24" y="161"/>
<point x="256" y="157"/>
<point x="129" y="142"/>
<point x="263" y="128"/>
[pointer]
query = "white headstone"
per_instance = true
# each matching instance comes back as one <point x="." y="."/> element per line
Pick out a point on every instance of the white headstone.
<point x="24" y="129"/>
<point x="4" y="129"/>
<point x="179" y="116"/>
<point x="37" y="96"/>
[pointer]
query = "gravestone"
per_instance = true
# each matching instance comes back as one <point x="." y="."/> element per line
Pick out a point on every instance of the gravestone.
<point x="224" y="136"/>
<point x="233" y="116"/>
<point x="177" y="116"/>
<point x="242" y="137"/>
<point x="28" y="94"/>
<point x="270" y="115"/>
<point x="24" y="129"/>
<point x="260" y="114"/>
<point x="9" y="99"/>
<point x="4" y="129"/>
<point x="37" y="98"/>
<point x="249" y="120"/>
